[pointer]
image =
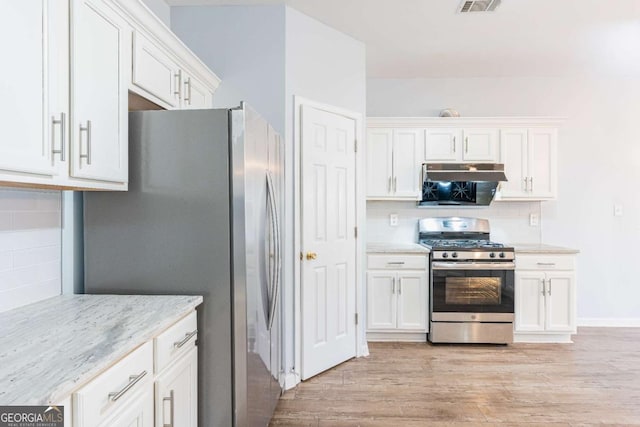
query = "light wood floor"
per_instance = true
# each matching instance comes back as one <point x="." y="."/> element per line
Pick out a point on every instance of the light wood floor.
<point x="596" y="380"/>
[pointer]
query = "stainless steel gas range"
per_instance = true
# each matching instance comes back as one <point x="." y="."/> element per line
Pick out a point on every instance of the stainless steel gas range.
<point x="472" y="282"/>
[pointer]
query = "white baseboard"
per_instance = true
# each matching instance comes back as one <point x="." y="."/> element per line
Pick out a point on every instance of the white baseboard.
<point x="291" y="380"/>
<point x="610" y="322"/>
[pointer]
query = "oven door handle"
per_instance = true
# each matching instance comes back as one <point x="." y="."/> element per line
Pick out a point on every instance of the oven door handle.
<point x="473" y="265"/>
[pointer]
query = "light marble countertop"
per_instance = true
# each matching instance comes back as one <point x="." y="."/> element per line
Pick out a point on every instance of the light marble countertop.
<point x="533" y="248"/>
<point x="383" y="247"/>
<point x="50" y="348"/>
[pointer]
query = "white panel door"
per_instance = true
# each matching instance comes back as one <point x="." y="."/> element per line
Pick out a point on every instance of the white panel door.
<point x="101" y="58"/>
<point x="27" y="79"/>
<point x="443" y="145"/>
<point x="480" y="145"/>
<point x="177" y="393"/>
<point x="412" y="301"/>
<point x="407" y="163"/>
<point x="514" y="156"/>
<point x="379" y="162"/>
<point x="195" y="95"/>
<point x="328" y="240"/>
<point x="542" y="163"/>
<point x="529" y="301"/>
<point x="561" y="302"/>
<point x="381" y="300"/>
<point x="138" y="411"/>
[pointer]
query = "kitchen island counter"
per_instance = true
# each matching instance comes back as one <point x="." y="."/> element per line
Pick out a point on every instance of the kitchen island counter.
<point x="51" y="348"/>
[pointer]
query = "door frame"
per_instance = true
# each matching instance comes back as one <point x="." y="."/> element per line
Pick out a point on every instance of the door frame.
<point x="361" y="344"/>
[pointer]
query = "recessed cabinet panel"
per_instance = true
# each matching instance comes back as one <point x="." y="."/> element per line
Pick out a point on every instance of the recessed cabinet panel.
<point x="411" y="301"/>
<point x="25" y="80"/>
<point x="480" y="145"/>
<point x="381" y="301"/>
<point x="177" y="393"/>
<point x="542" y="149"/>
<point x="379" y="163"/>
<point x="407" y="152"/>
<point x="529" y="307"/>
<point x="154" y="71"/>
<point x="442" y="145"/>
<point x="513" y="154"/>
<point x="100" y="67"/>
<point x="560" y="302"/>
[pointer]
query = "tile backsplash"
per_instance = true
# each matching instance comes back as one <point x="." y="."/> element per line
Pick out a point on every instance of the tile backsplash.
<point x="30" y="246"/>
<point x="509" y="221"/>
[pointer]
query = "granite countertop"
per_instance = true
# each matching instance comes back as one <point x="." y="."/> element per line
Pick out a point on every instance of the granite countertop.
<point x="382" y="247"/>
<point x="52" y="347"/>
<point x="534" y="248"/>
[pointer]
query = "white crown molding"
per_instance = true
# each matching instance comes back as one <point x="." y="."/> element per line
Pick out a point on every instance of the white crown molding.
<point x="142" y="19"/>
<point x="456" y="122"/>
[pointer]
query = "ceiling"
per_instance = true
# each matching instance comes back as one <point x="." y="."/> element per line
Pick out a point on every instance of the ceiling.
<point x="522" y="38"/>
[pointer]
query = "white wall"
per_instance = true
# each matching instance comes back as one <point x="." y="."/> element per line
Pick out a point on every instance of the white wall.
<point x="599" y="155"/>
<point x="30" y="240"/>
<point x="161" y="9"/>
<point x="245" y="47"/>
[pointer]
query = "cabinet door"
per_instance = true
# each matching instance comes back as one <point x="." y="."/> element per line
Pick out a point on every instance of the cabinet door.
<point x="155" y="72"/>
<point x="412" y="301"/>
<point x="407" y="163"/>
<point x="177" y="393"/>
<point x="381" y="300"/>
<point x="529" y="301"/>
<point x="100" y="58"/>
<point x="480" y="145"/>
<point x="27" y="81"/>
<point x="542" y="163"/>
<point x="138" y="411"/>
<point x="514" y="155"/>
<point x="442" y="145"/>
<point x="194" y="94"/>
<point x="561" y="302"/>
<point x="379" y="163"/>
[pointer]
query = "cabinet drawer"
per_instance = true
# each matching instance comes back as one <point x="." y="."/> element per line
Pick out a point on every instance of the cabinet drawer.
<point x="109" y="392"/>
<point x="397" y="262"/>
<point x="545" y="262"/>
<point x="175" y="341"/>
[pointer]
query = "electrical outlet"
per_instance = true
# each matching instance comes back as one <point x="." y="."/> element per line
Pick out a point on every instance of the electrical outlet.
<point x="534" y="219"/>
<point x="393" y="220"/>
<point x="617" y="210"/>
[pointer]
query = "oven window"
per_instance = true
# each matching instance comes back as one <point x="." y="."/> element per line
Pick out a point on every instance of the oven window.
<point x="473" y="290"/>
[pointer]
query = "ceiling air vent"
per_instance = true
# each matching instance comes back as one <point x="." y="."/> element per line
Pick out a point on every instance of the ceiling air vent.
<point x="478" y="6"/>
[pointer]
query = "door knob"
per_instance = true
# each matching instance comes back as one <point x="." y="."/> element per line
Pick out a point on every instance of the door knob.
<point x="311" y="255"/>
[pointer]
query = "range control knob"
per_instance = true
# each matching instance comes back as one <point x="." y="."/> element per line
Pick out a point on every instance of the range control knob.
<point x="454" y="255"/>
<point x="445" y="255"/>
<point x="501" y="254"/>
<point x="492" y="255"/>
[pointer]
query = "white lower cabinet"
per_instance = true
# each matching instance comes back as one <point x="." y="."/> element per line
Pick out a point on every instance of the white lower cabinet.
<point x="397" y="298"/>
<point x="155" y="385"/>
<point x="545" y="298"/>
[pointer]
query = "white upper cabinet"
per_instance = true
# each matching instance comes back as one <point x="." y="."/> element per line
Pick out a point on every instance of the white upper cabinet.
<point x="33" y="113"/>
<point x="442" y="145"/>
<point x="530" y="159"/>
<point x="394" y="163"/>
<point x="100" y="58"/>
<point x="480" y="145"/>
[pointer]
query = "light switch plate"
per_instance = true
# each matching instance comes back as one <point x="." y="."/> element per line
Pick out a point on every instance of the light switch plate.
<point x="617" y="210"/>
<point x="393" y="220"/>
<point x="534" y="219"/>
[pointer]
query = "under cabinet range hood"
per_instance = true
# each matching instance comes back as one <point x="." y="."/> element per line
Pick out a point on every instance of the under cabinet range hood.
<point x="460" y="184"/>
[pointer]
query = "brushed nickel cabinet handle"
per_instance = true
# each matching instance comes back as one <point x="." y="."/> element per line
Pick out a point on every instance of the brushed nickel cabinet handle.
<point x="548" y="264"/>
<point x="549" y="290"/>
<point x="531" y="180"/>
<point x="526" y="183"/>
<point x="187" y="85"/>
<point x="171" y="409"/>
<point x="186" y="339"/>
<point x="395" y="184"/>
<point x="389" y="185"/>
<point x="400" y="286"/>
<point x="544" y="288"/>
<point x="88" y="130"/>
<point x="178" y="89"/>
<point x="393" y="285"/>
<point x="466" y="144"/>
<point x="133" y="380"/>
<point x="396" y="262"/>
<point x="454" y="144"/>
<point x="63" y="135"/>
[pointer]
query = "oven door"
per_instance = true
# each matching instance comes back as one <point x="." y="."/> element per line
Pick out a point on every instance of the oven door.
<point x="472" y="291"/>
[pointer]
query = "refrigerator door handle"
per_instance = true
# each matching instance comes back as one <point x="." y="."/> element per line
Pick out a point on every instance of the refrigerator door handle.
<point x="274" y="275"/>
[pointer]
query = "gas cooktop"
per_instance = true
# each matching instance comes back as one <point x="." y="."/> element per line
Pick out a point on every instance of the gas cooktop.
<point x="460" y="244"/>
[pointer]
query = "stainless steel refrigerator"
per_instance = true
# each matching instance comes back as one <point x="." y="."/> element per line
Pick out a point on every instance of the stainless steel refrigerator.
<point x="202" y="216"/>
